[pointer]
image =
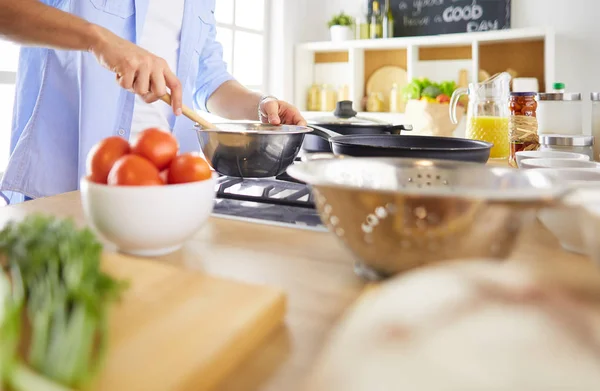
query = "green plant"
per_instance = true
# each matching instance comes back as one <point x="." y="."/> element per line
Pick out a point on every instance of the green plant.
<point x="341" y="20"/>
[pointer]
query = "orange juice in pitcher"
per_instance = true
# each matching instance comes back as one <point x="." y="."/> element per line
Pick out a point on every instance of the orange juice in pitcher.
<point x="487" y="112"/>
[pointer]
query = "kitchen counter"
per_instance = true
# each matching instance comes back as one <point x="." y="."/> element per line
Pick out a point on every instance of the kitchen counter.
<point x="312" y="267"/>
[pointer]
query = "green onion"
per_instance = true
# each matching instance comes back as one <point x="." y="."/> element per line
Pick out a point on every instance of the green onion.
<point x="59" y="287"/>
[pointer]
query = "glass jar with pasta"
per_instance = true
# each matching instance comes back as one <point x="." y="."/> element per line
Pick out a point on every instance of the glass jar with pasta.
<point x="522" y="124"/>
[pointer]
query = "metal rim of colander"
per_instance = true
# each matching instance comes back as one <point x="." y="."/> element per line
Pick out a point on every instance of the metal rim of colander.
<point x="557" y="190"/>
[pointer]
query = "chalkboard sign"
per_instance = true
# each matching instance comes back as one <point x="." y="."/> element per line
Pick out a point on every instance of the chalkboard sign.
<point x="431" y="17"/>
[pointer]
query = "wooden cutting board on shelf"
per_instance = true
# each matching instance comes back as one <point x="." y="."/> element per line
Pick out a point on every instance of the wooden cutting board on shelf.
<point x="178" y="330"/>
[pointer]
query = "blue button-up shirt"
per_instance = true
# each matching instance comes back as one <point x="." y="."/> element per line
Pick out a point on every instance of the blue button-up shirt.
<point x="66" y="102"/>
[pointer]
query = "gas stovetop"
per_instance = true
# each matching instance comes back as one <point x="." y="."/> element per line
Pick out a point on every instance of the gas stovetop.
<point x="277" y="201"/>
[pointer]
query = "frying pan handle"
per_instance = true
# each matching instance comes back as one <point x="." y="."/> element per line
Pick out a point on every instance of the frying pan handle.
<point x="322" y="132"/>
<point x="397" y="129"/>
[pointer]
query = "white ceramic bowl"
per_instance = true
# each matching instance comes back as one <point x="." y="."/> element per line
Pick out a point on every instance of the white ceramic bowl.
<point x="147" y="220"/>
<point x="524" y="155"/>
<point x="557" y="163"/>
<point x="564" y="222"/>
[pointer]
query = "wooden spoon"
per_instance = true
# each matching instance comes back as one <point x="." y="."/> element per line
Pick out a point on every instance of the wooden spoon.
<point x="191" y="114"/>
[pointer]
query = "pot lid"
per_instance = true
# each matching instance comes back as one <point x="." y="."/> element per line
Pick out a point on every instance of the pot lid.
<point x="344" y="114"/>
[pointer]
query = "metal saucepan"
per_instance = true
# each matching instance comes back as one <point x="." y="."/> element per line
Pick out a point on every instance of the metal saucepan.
<point x="345" y="121"/>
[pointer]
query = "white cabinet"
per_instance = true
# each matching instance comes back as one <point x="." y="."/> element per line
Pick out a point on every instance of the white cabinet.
<point x="529" y="52"/>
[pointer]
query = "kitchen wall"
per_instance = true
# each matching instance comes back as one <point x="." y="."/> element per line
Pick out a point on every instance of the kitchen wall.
<point x="574" y="21"/>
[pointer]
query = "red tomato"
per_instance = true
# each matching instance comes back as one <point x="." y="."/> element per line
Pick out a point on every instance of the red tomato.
<point x="188" y="167"/>
<point x="156" y="145"/>
<point x="103" y="156"/>
<point x="133" y="170"/>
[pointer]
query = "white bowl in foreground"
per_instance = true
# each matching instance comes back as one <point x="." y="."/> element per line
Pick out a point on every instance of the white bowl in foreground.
<point x="524" y="155"/>
<point x="147" y="220"/>
<point x="557" y="163"/>
<point x="564" y="221"/>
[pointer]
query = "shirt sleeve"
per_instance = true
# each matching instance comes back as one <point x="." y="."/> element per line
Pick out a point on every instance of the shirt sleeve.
<point x="212" y="71"/>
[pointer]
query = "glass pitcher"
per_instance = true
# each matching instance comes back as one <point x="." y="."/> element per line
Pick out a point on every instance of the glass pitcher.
<point x="487" y="112"/>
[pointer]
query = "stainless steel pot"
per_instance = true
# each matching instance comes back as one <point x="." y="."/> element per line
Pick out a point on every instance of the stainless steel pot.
<point x="251" y="150"/>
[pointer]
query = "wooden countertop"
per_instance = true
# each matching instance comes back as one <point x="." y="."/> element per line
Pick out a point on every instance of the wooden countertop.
<point x="312" y="267"/>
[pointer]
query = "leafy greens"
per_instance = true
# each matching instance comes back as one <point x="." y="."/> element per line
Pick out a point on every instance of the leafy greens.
<point x="57" y="287"/>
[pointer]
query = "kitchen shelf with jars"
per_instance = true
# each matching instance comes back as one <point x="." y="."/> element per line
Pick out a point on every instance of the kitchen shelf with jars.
<point x="375" y="72"/>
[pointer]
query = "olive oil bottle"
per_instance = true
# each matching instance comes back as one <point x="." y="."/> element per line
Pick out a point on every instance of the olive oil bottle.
<point x="376" y="25"/>
<point x="388" y="21"/>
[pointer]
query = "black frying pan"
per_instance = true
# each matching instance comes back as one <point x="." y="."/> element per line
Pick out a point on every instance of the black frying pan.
<point x="419" y="147"/>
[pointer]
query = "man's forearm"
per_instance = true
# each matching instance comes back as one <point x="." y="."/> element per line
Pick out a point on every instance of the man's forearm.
<point x="30" y="22"/>
<point x="234" y="101"/>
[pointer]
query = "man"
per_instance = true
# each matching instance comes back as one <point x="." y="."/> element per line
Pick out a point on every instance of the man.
<point x="67" y="98"/>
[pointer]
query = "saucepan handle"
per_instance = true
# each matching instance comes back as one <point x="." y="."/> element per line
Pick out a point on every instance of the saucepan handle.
<point x="398" y="129"/>
<point x="322" y="132"/>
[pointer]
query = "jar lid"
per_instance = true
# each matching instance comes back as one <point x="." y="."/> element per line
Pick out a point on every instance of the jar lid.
<point x="560" y="97"/>
<point x="595" y="96"/>
<point x="564" y="140"/>
<point x="558" y="86"/>
<point x="534" y="94"/>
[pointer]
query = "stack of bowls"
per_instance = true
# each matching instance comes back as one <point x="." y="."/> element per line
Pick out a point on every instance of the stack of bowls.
<point x="576" y="220"/>
<point x="563" y="220"/>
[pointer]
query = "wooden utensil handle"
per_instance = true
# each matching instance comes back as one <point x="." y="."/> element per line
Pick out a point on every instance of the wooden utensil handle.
<point x="191" y="114"/>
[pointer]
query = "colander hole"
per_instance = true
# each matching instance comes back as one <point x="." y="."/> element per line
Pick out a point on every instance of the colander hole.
<point x="327" y="209"/>
<point x="409" y="180"/>
<point x="419" y="176"/>
<point x="381" y="212"/>
<point x="428" y="176"/>
<point x="367" y="228"/>
<point x="438" y="177"/>
<point x="428" y="183"/>
<point x="339" y="232"/>
<point x="445" y="183"/>
<point x="334" y="220"/>
<point x="372" y="220"/>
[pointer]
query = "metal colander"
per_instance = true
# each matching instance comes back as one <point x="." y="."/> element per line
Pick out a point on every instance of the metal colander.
<point x="397" y="214"/>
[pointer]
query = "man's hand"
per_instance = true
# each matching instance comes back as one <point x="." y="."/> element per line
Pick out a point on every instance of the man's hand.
<point x="278" y="112"/>
<point x="137" y="70"/>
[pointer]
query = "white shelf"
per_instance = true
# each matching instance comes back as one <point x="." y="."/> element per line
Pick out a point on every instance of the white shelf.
<point x="427" y="41"/>
<point x="306" y="72"/>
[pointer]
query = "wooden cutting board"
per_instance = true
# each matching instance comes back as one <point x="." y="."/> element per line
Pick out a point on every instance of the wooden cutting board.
<point x="178" y="330"/>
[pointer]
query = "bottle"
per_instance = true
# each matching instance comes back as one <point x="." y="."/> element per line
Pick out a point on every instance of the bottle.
<point x="376" y="25"/>
<point x="388" y="21"/>
<point x="558" y="88"/>
<point x="364" y="22"/>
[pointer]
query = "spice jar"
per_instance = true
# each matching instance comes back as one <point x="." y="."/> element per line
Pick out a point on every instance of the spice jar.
<point x="313" y="99"/>
<point x="328" y="98"/>
<point x="522" y="124"/>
